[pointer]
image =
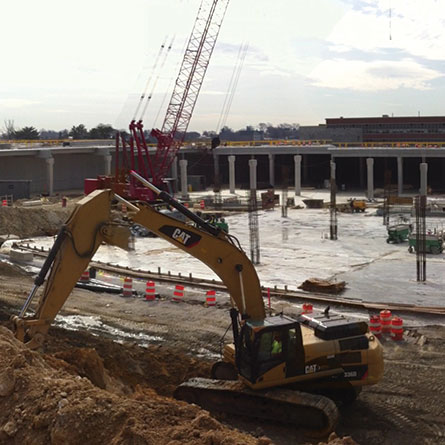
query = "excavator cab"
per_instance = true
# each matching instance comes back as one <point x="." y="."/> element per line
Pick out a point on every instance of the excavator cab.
<point x="270" y="351"/>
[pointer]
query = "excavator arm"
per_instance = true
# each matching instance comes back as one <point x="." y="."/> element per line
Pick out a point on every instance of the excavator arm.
<point x="78" y="240"/>
<point x="219" y="253"/>
<point x="90" y="224"/>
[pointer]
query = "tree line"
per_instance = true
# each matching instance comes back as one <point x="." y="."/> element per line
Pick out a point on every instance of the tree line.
<point x="105" y="131"/>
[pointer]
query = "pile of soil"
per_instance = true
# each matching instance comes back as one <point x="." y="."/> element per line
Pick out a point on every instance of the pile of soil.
<point x="323" y="286"/>
<point x="25" y="222"/>
<point x="43" y="403"/>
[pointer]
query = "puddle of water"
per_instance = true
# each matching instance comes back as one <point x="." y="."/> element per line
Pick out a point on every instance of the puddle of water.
<point x="95" y="326"/>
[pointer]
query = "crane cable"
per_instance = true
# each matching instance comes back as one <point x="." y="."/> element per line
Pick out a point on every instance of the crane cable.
<point x="144" y="92"/>
<point x="144" y="110"/>
<point x="242" y="52"/>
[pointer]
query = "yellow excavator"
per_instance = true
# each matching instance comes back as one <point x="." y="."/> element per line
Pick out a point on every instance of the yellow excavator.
<point x="318" y="359"/>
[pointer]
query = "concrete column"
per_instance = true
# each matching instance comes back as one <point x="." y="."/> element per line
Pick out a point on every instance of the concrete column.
<point x="297" y="162"/>
<point x="107" y="162"/>
<point x="399" y="175"/>
<point x="252" y="172"/>
<point x="272" y="170"/>
<point x="370" y="166"/>
<point x="232" y="173"/>
<point x="50" y="175"/>
<point x="175" y="169"/>
<point x="183" y="168"/>
<point x="107" y="158"/>
<point x="49" y="179"/>
<point x="424" y="178"/>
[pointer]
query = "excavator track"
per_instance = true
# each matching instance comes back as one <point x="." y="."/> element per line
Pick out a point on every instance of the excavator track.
<point x="317" y="415"/>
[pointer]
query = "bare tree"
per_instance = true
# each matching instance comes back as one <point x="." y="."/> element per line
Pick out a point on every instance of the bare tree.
<point x="8" y="130"/>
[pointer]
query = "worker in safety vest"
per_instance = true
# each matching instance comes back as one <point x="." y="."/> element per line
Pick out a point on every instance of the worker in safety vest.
<point x="276" y="345"/>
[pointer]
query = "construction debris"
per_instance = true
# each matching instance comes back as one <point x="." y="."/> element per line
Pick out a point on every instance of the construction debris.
<point x="323" y="286"/>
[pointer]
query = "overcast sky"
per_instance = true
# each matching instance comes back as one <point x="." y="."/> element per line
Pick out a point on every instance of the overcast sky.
<point x="68" y="62"/>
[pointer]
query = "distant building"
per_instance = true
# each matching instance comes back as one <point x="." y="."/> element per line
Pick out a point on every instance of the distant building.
<point x="392" y="129"/>
<point x="331" y="135"/>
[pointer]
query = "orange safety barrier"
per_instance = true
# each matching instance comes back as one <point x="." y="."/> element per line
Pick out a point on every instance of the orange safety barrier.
<point x="397" y="329"/>
<point x="150" y="291"/>
<point x="307" y="308"/>
<point x="375" y="326"/>
<point x="127" y="290"/>
<point x="385" y="320"/>
<point x="210" y="298"/>
<point x="85" y="277"/>
<point x="178" y="293"/>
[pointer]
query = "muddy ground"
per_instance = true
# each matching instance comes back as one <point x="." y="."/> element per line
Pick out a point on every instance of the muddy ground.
<point x="406" y="408"/>
<point x="100" y="385"/>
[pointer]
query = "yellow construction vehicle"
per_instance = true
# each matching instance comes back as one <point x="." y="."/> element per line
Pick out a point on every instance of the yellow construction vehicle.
<point x="277" y="367"/>
<point x="357" y="205"/>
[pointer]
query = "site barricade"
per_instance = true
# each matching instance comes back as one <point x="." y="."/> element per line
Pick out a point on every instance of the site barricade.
<point x="150" y="291"/>
<point x="397" y="329"/>
<point x="210" y="298"/>
<point x="178" y="293"/>
<point x="375" y="326"/>
<point x="127" y="290"/>
<point x="385" y="320"/>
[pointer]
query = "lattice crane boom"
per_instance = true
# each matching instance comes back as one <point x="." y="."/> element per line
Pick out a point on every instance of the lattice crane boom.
<point x="188" y="85"/>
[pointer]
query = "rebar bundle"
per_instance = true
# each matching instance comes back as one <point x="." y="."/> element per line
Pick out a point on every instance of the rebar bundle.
<point x="333" y="205"/>
<point x="254" y="235"/>
<point x="420" y="204"/>
<point x="386" y="197"/>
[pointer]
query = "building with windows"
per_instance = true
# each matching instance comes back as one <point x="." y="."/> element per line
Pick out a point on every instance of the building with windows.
<point x="392" y="129"/>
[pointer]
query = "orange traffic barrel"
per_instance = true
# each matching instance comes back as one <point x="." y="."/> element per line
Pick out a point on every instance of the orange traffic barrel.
<point x="202" y="204"/>
<point x="4" y="203"/>
<point x="210" y="298"/>
<point x="385" y="320"/>
<point x="397" y="329"/>
<point x="127" y="290"/>
<point x="178" y="293"/>
<point x="307" y="308"/>
<point x="150" y="291"/>
<point x="85" y="277"/>
<point x="375" y="325"/>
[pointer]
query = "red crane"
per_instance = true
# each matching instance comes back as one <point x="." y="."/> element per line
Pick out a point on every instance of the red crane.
<point x="155" y="166"/>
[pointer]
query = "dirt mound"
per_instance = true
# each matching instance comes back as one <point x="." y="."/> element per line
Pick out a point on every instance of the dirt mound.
<point x="323" y="286"/>
<point x="41" y="404"/>
<point x="31" y="221"/>
<point x="120" y="368"/>
<point x="10" y="270"/>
